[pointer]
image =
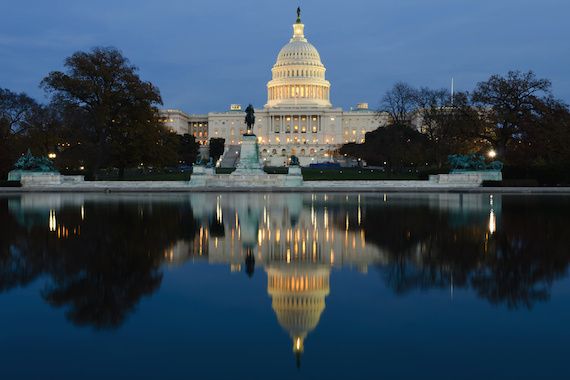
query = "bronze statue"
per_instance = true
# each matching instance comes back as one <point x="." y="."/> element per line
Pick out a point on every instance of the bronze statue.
<point x="250" y="119"/>
<point x="471" y="162"/>
<point x="298" y="14"/>
<point x="34" y="164"/>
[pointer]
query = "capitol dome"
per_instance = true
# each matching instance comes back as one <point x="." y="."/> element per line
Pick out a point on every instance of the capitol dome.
<point x="298" y="76"/>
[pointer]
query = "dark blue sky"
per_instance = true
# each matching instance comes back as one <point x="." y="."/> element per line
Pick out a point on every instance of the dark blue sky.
<point x="204" y="55"/>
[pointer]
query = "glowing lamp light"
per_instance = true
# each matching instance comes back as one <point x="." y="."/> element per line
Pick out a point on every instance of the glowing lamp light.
<point x="52" y="156"/>
<point x="492" y="153"/>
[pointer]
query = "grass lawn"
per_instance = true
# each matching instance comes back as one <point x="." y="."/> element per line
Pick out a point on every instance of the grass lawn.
<point x="353" y="174"/>
<point x="135" y="176"/>
<point x="10" y="184"/>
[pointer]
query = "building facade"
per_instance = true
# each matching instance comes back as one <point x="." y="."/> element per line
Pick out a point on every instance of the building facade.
<point x="298" y="118"/>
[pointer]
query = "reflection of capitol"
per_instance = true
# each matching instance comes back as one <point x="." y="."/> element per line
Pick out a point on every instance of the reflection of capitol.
<point x="296" y="238"/>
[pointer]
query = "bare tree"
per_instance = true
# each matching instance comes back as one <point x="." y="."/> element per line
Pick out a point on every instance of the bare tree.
<point x="15" y="111"/>
<point x="399" y="102"/>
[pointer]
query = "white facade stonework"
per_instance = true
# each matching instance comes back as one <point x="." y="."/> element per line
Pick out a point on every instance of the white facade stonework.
<point x="298" y="118"/>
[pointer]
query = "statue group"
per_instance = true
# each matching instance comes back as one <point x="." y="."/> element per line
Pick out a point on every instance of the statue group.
<point x="28" y="162"/>
<point x="472" y="162"/>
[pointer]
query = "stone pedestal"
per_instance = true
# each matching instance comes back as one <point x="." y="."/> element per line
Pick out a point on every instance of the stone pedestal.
<point x="294" y="177"/>
<point x="248" y="174"/>
<point x="201" y="174"/>
<point x="475" y="178"/>
<point x="249" y="163"/>
<point x="43" y="179"/>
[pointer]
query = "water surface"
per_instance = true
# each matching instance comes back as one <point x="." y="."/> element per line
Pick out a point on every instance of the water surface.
<point x="284" y="286"/>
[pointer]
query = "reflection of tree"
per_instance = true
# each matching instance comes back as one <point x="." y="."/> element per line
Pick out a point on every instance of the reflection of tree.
<point x="531" y="252"/>
<point x="249" y="263"/>
<point x="516" y="266"/>
<point x="100" y="267"/>
<point x="15" y="268"/>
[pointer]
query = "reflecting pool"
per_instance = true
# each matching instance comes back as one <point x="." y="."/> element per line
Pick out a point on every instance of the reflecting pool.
<point x="284" y="286"/>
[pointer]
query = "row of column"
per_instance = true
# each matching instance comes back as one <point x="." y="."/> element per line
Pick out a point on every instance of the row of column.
<point x="298" y="91"/>
<point x="280" y="123"/>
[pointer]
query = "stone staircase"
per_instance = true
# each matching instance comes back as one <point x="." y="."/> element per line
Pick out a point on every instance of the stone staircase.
<point x="231" y="156"/>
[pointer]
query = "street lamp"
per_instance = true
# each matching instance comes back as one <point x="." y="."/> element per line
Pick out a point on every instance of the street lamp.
<point x="492" y="153"/>
<point x="52" y="156"/>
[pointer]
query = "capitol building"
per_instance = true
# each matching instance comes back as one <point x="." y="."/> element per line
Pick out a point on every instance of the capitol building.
<point x="298" y="118"/>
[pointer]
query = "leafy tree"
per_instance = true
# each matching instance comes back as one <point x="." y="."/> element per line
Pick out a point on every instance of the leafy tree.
<point x="45" y="130"/>
<point x="545" y="140"/>
<point x="507" y="104"/>
<point x="118" y="110"/>
<point x="188" y="148"/>
<point x="395" y="146"/>
<point x="216" y="148"/>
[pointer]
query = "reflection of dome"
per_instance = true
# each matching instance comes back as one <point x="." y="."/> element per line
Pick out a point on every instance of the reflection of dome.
<point x="298" y="75"/>
<point x="298" y="298"/>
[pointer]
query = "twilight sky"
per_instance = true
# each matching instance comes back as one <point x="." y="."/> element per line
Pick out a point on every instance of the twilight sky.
<point x="204" y="55"/>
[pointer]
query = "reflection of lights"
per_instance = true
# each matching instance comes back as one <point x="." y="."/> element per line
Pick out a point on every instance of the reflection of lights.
<point x="52" y="221"/>
<point x="82" y="212"/>
<point x="201" y="237"/>
<point x="219" y="214"/>
<point x="491" y="199"/>
<point x="385" y="197"/>
<point x="492" y="222"/>
<point x="313" y="217"/>
<point x="298" y="344"/>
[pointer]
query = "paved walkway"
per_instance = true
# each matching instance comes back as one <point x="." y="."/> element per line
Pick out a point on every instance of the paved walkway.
<point x="308" y="186"/>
